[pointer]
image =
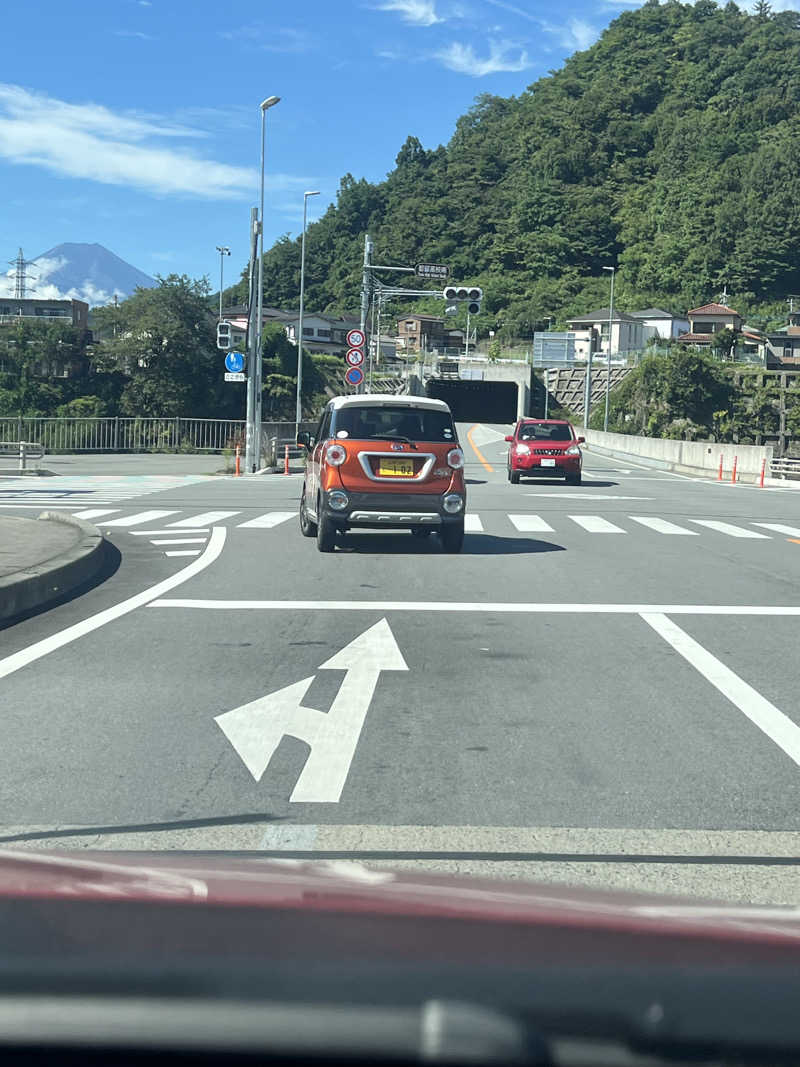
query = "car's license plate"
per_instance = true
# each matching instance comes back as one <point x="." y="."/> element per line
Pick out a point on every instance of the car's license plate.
<point x="396" y="468"/>
<point x="548" y="463"/>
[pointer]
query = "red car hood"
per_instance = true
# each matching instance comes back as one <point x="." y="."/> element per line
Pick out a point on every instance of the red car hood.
<point x="348" y="887"/>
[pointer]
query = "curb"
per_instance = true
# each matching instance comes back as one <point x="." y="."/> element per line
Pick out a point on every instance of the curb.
<point x="26" y="590"/>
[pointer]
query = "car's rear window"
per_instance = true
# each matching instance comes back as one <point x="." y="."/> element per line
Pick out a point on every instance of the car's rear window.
<point x="417" y="424"/>
<point x="543" y="431"/>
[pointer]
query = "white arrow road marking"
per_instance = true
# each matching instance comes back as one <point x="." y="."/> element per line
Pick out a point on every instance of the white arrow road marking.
<point x="256" y="729"/>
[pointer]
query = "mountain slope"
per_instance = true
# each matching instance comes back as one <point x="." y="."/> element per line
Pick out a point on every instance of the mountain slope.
<point x="87" y="272"/>
<point x="667" y="149"/>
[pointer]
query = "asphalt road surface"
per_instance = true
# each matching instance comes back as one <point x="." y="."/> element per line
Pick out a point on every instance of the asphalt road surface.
<point x="602" y="688"/>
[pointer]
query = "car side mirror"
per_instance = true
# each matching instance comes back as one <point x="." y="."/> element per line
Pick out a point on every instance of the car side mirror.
<point x="509" y="437"/>
<point x="304" y="438"/>
<point x="581" y="440"/>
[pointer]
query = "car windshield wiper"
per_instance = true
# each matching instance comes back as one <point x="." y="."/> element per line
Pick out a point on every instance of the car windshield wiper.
<point x="392" y="437"/>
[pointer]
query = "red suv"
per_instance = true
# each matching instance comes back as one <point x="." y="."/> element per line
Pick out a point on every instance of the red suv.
<point x="544" y="447"/>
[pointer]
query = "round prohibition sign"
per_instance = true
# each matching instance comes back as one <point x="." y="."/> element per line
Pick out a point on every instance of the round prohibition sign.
<point x="354" y="376"/>
<point x="356" y="339"/>
<point x="355" y="357"/>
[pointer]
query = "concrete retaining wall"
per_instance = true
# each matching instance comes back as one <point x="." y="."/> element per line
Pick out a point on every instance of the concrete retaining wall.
<point x="689" y="457"/>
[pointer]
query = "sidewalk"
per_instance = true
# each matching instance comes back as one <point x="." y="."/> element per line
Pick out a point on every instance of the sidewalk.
<point x="45" y="558"/>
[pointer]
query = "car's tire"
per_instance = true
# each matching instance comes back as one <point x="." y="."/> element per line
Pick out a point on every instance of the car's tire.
<point x="307" y="527"/>
<point x="573" y="479"/>
<point x="326" y="533"/>
<point x="420" y="531"/>
<point x="452" y="536"/>
<point x="513" y="477"/>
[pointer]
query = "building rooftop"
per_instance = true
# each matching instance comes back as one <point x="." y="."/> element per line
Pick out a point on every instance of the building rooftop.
<point x="654" y="313"/>
<point x="714" y="309"/>
<point x="602" y="316"/>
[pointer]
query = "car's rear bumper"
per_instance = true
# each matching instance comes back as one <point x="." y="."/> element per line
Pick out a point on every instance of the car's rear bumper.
<point x="398" y="510"/>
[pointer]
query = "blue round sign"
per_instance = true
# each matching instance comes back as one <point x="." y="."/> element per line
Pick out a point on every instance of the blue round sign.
<point x="234" y="362"/>
<point x="354" y="376"/>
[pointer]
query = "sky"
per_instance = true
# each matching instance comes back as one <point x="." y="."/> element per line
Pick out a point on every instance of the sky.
<point x="136" y="124"/>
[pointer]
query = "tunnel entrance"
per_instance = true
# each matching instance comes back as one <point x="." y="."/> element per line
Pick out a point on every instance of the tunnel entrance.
<point x="476" y="401"/>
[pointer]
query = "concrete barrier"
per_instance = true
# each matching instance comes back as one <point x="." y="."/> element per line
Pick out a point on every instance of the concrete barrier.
<point x="685" y="457"/>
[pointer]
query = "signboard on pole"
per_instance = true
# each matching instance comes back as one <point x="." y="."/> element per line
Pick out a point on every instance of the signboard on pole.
<point x="432" y="270"/>
<point x="234" y="361"/>
<point x="356" y="339"/>
<point x="235" y="376"/>
<point x="354" y="376"/>
<point x="355" y="357"/>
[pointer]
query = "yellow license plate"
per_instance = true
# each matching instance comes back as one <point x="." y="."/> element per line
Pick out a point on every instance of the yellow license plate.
<point x="396" y="468"/>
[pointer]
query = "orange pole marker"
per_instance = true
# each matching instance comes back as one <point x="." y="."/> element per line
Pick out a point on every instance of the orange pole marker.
<point x="238" y="460"/>
<point x="286" y="461"/>
<point x="735" y="464"/>
<point x="719" y="476"/>
<point x="763" y="472"/>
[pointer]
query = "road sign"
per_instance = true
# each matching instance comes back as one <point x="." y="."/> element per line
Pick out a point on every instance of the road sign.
<point x="432" y="270"/>
<point x="234" y="361"/>
<point x="234" y="376"/>
<point x="356" y="339"/>
<point x="354" y="376"/>
<point x="355" y="357"/>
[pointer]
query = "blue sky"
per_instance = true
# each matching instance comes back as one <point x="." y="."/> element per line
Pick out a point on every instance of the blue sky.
<point x="135" y="123"/>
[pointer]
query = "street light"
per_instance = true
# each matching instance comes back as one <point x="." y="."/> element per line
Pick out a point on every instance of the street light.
<point x="608" y="364"/>
<point x="223" y="251"/>
<point x="298" y="408"/>
<point x="253" y="454"/>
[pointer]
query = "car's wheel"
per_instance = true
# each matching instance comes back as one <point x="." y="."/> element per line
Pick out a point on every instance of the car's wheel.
<point x="307" y="527"/>
<point x="513" y="476"/>
<point x="452" y="535"/>
<point x="573" y="479"/>
<point x="420" y="531"/>
<point x="326" y="533"/>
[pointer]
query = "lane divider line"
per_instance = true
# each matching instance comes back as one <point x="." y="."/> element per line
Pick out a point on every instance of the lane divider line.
<point x="486" y="465"/>
<point x="36" y="651"/>
<point x="778" y="727"/>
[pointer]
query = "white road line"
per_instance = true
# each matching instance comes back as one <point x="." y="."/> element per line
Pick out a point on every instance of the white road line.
<point x="180" y="541"/>
<point x="778" y="727"/>
<point x="139" y="518"/>
<point x="208" y="518"/>
<point x="158" y="533"/>
<point x="729" y="529"/>
<point x="480" y="608"/>
<point x="578" y="496"/>
<point x="473" y="524"/>
<point x="663" y="526"/>
<point x="596" y="524"/>
<point x="95" y="513"/>
<point x="531" y="524"/>
<point x="266" y="522"/>
<point x="778" y="527"/>
<point x="41" y="648"/>
<point x="184" y="552"/>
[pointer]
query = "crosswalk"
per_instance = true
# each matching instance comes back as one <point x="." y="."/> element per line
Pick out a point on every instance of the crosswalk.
<point x="91" y="489"/>
<point x="182" y="534"/>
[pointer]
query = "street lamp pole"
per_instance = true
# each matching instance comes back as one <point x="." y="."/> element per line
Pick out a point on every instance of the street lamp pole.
<point x="223" y="251"/>
<point x="253" y="457"/>
<point x="298" y="414"/>
<point x="610" y="327"/>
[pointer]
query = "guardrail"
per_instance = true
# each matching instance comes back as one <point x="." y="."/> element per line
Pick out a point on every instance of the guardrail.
<point x="785" y="468"/>
<point x="21" y="451"/>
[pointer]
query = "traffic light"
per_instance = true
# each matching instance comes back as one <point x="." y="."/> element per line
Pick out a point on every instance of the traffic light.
<point x="471" y="295"/>
<point x="224" y="340"/>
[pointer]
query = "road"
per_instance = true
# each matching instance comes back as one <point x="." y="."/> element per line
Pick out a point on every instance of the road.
<point x="602" y="688"/>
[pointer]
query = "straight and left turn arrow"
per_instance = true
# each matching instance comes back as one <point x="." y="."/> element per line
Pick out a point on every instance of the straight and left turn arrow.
<point x="256" y="729"/>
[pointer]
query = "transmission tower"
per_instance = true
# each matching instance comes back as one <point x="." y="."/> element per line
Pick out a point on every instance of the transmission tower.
<point x="21" y="275"/>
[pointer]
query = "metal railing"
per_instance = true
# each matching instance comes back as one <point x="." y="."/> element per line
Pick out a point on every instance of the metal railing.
<point x="21" y="452"/>
<point x="785" y="468"/>
<point x="125" y="434"/>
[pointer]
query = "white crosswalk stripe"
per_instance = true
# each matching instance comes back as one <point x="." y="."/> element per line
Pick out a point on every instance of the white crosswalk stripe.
<point x="596" y="524"/>
<point x="779" y="527"/>
<point x="473" y="524"/>
<point x="139" y="518"/>
<point x="531" y="524"/>
<point x="96" y="488"/>
<point x="184" y="552"/>
<point x="95" y="513"/>
<point x="179" y="541"/>
<point x="268" y="521"/>
<point x="663" y="526"/>
<point x="208" y="518"/>
<point x="160" y="533"/>
<point x="729" y="529"/>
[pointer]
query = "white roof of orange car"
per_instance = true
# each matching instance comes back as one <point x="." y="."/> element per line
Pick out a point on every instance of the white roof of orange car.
<point x="390" y="400"/>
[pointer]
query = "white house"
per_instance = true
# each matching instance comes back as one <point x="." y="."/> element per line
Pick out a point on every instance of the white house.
<point x="628" y="334"/>
<point x="662" y="324"/>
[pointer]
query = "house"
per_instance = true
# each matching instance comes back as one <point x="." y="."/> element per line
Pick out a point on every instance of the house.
<point x="707" y="320"/>
<point x="69" y="312"/>
<point x="661" y="324"/>
<point x="628" y="333"/>
<point x="321" y="333"/>
<point x="421" y="333"/>
<point x="773" y="349"/>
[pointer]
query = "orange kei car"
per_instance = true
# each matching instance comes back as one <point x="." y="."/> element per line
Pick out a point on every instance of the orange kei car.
<point x="383" y="461"/>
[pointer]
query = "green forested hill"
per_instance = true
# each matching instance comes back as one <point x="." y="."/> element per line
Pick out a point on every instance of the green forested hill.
<point x="671" y="148"/>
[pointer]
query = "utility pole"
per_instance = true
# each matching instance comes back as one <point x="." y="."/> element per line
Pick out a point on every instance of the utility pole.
<point x="610" y="328"/>
<point x="298" y="414"/>
<point x="223" y="251"/>
<point x="466" y="346"/>
<point x="252" y="342"/>
<point x="365" y="286"/>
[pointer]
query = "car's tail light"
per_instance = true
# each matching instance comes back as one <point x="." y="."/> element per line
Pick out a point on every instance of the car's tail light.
<point x="455" y="459"/>
<point x="335" y="455"/>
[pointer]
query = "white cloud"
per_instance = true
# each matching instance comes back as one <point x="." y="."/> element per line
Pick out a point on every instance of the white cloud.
<point x="463" y="59"/>
<point x="268" y="38"/>
<point x="92" y="142"/>
<point x="41" y="289"/>
<point x="133" y="33"/>
<point x="415" y="12"/>
<point x="514" y="10"/>
<point x="575" y="34"/>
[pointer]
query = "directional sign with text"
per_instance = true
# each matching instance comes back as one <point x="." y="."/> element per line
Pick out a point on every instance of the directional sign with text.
<point x="432" y="270"/>
<point x="356" y="339"/>
<point x="355" y="357"/>
<point x="256" y="729"/>
<point x="235" y="376"/>
<point x="234" y="361"/>
<point x="354" y="376"/>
